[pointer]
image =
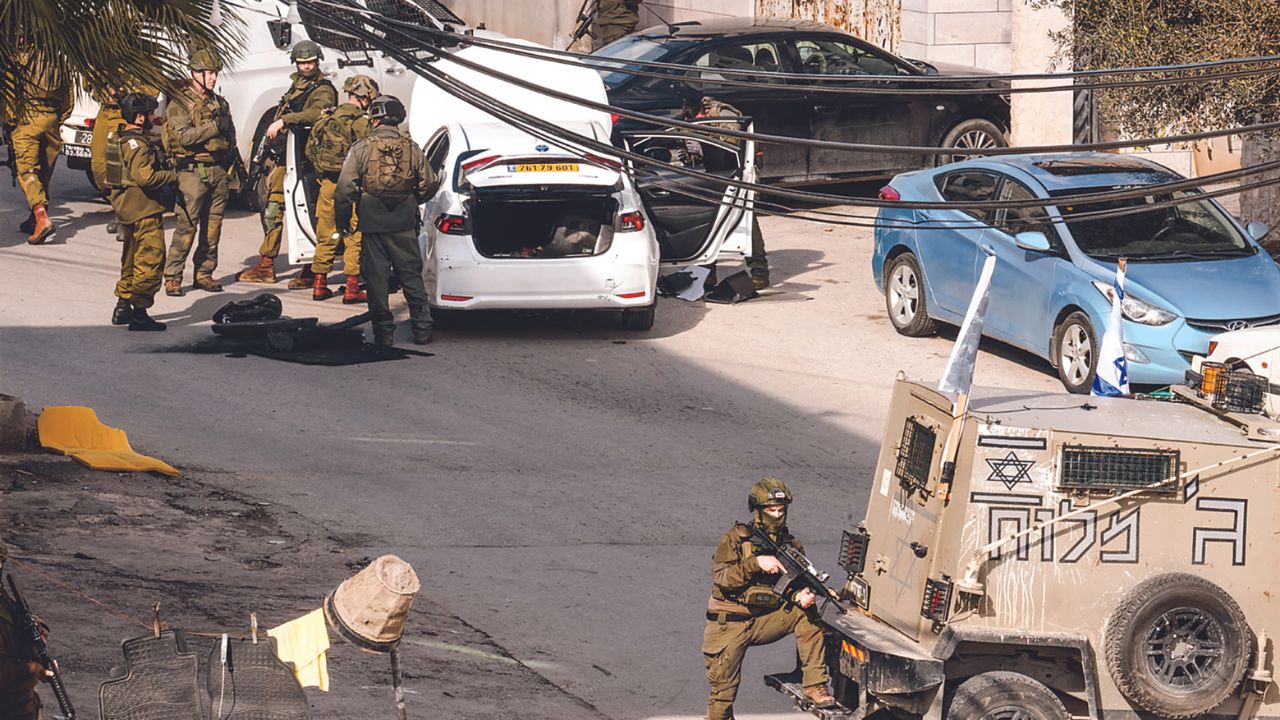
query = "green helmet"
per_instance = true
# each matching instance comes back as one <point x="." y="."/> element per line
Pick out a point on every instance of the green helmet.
<point x="306" y="51"/>
<point x="361" y="85"/>
<point x="204" y="60"/>
<point x="769" y="491"/>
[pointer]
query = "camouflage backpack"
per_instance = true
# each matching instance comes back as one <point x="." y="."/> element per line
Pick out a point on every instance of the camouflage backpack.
<point x="387" y="174"/>
<point x="330" y="139"/>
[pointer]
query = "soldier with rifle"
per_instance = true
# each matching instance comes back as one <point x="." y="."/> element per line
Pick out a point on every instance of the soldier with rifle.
<point x="309" y="95"/>
<point x="747" y="607"/>
<point x="616" y="19"/>
<point x="24" y="660"/>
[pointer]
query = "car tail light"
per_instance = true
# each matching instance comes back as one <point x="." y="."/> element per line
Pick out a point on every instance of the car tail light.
<point x="937" y="599"/>
<point x="853" y="550"/>
<point x="1213" y="345"/>
<point x="631" y="222"/>
<point x="88" y="122"/>
<point x="607" y="162"/>
<point x="632" y="295"/>
<point x="614" y="118"/>
<point x="479" y="163"/>
<point x="452" y="224"/>
<point x="455" y="298"/>
<point x="888" y="193"/>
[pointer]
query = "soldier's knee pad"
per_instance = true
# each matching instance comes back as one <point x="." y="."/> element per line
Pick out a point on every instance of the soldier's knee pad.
<point x="272" y="215"/>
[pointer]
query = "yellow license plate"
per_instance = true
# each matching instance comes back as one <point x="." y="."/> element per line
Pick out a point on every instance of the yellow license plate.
<point x="543" y="167"/>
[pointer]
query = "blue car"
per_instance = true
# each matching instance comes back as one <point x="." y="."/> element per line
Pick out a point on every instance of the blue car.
<point x="1193" y="270"/>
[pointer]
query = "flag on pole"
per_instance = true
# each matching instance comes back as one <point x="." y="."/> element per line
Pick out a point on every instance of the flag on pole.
<point x="1112" y="377"/>
<point x="958" y="376"/>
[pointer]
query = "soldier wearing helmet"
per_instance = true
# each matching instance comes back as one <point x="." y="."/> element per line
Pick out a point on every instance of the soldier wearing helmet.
<point x="300" y="107"/>
<point x="139" y="187"/>
<point x="36" y="138"/>
<point x="202" y="141"/>
<point x="744" y="610"/>
<point x="331" y="139"/>
<point x="387" y="174"/>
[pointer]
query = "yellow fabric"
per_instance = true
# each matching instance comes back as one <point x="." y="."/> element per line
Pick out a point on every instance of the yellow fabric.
<point x="304" y="642"/>
<point x="77" y="432"/>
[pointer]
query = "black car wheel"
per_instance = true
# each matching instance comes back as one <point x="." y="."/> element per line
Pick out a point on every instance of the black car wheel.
<point x="904" y="297"/>
<point x="972" y="134"/>
<point x="1005" y="696"/>
<point x="639" y="318"/>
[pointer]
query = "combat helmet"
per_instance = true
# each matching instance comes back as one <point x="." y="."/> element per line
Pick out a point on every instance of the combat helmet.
<point x="306" y="51"/>
<point x="388" y="109"/>
<point x="135" y="104"/>
<point x="360" y="86"/>
<point x="204" y="60"/>
<point x="769" y="491"/>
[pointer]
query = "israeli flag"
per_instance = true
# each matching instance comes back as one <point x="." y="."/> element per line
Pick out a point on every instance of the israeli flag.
<point x="958" y="375"/>
<point x="1112" y="378"/>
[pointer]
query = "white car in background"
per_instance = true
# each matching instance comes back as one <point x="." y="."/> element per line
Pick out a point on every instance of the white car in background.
<point x="1255" y="349"/>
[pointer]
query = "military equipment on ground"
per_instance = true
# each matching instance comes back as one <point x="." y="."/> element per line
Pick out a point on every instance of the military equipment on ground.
<point x="28" y="627"/>
<point x="1095" y="558"/>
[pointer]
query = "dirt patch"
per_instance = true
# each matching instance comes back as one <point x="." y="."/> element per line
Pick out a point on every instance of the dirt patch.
<point x="96" y="550"/>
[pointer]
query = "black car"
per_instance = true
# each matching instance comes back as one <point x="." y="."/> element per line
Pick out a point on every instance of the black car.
<point x="792" y="107"/>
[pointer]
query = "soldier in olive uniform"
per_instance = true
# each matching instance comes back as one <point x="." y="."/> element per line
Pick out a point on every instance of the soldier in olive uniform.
<point x="708" y="107"/>
<point x="37" y="137"/>
<point x="300" y="107"/>
<point x="202" y="141"/>
<point x="388" y="175"/>
<point x="331" y="139"/>
<point x="744" y="610"/>
<point x="139" y="186"/>
<point x="616" y="18"/>
<point x="107" y="121"/>
<point x="19" y="674"/>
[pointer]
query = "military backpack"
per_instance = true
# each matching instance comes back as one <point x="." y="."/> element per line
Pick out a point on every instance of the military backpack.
<point x="331" y="138"/>
<point x="117" y="175"/>
<point x="387" y="174"/>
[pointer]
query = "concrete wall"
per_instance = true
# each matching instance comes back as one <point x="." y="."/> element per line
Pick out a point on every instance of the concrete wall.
<point x="549" y="22"/>
<point x="655" y="12"/>
<point x="978" y="33"/>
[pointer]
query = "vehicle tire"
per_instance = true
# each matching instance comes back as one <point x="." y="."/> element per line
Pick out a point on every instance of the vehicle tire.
<point x="1004" y="696"/>
<point x="1177" y="645"/>
<point x="1076" y="346"/>
<point x="974" y="133"/>
<point x="639" y="318"/>
<point x="904" y="297"/>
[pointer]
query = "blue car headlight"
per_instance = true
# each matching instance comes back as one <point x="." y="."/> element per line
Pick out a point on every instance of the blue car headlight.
<point x="1135" y="309"/>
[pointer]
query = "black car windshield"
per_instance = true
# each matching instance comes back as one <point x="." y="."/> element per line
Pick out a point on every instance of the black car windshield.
<point x="1196" y="230"/>
<point x="632" y="47"/>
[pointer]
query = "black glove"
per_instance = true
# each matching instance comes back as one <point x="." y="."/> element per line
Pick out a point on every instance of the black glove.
<point x="224" y="124"/>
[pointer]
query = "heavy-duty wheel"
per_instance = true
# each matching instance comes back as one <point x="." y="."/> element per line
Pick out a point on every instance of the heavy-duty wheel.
<point x="639" y="318"/>
<point x="1177" y="645"/>
<point x="904" y="297"/>
<point x="1075" y="345"/>
<point x="1004" y="696"/>
<point x="975" y="134"/>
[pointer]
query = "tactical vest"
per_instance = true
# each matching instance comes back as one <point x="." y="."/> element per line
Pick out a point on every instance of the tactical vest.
<point x="117" y="175"/>
<point x="332" y="137"/>
<point x="760" y="594"/>
<point x="387" y="174"/>
<point x="295" y="99"/>
<point x="203" y="111"/>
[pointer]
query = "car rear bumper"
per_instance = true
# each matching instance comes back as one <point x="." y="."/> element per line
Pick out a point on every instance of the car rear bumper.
<point x="76" y="139"/>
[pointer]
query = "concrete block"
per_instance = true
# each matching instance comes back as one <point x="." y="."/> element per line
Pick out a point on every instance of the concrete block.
<point x="13" y="423"/>
<point x="996" y="58"/>
<point x="1179" y="161"/>
<point x="916" y="28"/>
<point x="963" y="6"/>
<point x="912" y="50"/>
<point x="976" y="28"/>
<point x="739" y="8"/>
<point x="1005" y="6"/>
<point x="958" y="54"/>
<point x="915" y="6"/>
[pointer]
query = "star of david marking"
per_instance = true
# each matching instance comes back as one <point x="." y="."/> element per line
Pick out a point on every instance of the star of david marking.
<point x="1009" y="470"/>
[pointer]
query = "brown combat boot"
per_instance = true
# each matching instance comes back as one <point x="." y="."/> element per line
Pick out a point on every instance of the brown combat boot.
<point x="305" y="279"/>
<point x="173" y="287"/>
<point x="206" y="283"/>
<point x="320" y="287"/>
<point x="43" y="227"/>
<point x="820" y="696"/>
<point x="263" y="272"/>
<point x="352" y="294"/>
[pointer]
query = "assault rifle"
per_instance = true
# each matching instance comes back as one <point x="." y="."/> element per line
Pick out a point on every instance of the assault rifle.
<point x="798" y="572"/>
<point x="586" y="14"/>
<point x="11" y="159"/>
<point x="27" y="626"/>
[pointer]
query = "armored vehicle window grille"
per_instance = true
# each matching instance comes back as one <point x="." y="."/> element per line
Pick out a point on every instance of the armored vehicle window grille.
<point x="321" y="29"/>
<point x="1119" y="469"/>
<point x="915" y="455"/>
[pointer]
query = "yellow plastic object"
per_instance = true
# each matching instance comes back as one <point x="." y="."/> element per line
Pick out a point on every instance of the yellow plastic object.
<point x="77" y="432"/>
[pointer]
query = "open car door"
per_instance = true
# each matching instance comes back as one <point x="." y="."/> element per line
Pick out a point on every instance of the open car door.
<point x="300" y="192"/>
<point x="696" y="219"/>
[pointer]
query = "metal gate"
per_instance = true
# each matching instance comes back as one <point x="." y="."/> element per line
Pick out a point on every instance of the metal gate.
<point x="877" y="21"/>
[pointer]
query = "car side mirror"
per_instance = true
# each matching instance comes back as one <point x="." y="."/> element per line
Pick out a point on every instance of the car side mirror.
<point x="1034" y="241"/>
<point x="281" y="33"/>
<point x="1258" y="230"/>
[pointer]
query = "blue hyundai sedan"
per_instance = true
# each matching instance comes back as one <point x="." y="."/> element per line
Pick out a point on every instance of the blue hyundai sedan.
<point x="1193" y="270"/>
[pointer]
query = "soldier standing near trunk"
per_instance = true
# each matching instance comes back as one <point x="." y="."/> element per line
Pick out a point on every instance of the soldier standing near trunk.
<point x="300" y="107"/>
<point x="616" y="18"/>
<point x="37" y="137"/>
<point x="139" y="186"/>
<point x="202" y="141"/>
<point x="388" y="175"/>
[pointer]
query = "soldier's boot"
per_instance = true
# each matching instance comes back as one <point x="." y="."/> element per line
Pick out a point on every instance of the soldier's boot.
<point x="305" y="279"/>
<point x="140" y="321"/>
<point x="421" y="338"/>
<point x="43" y="228"/>
<point x="206" y="283"/>
<point x="383" y="340"/>
<point x="820" y="696"/>
<point x="320" y="287"/>
<point x="123" y="312"/>
<point x="28" y="225"/>
<point x="173" y="287"/>
<point x="263" y="272"/>
<point x="112" y="227"/>
<point x="351" y="293"/>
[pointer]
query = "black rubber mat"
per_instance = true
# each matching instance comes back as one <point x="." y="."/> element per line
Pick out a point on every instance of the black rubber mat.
<point x="160" y="681"/>
<point x="335" y="355"/>
<point x="254" y="684"/>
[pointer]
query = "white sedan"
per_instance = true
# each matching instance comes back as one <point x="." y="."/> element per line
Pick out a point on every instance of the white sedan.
<point x="1254" y="349"/>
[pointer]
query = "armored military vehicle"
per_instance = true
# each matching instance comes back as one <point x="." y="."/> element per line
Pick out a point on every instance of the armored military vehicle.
<point x="1045" y="557"/>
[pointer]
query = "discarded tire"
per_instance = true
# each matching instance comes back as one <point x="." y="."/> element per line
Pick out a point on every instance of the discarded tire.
<point x="1177" y="645"/>
<point x="1004" y="696"/>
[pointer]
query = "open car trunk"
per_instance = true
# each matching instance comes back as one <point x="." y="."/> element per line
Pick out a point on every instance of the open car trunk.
<point x="534" y="223"/>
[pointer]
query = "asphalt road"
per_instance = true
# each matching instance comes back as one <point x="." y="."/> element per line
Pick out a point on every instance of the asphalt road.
<point x="557" y="482"/>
